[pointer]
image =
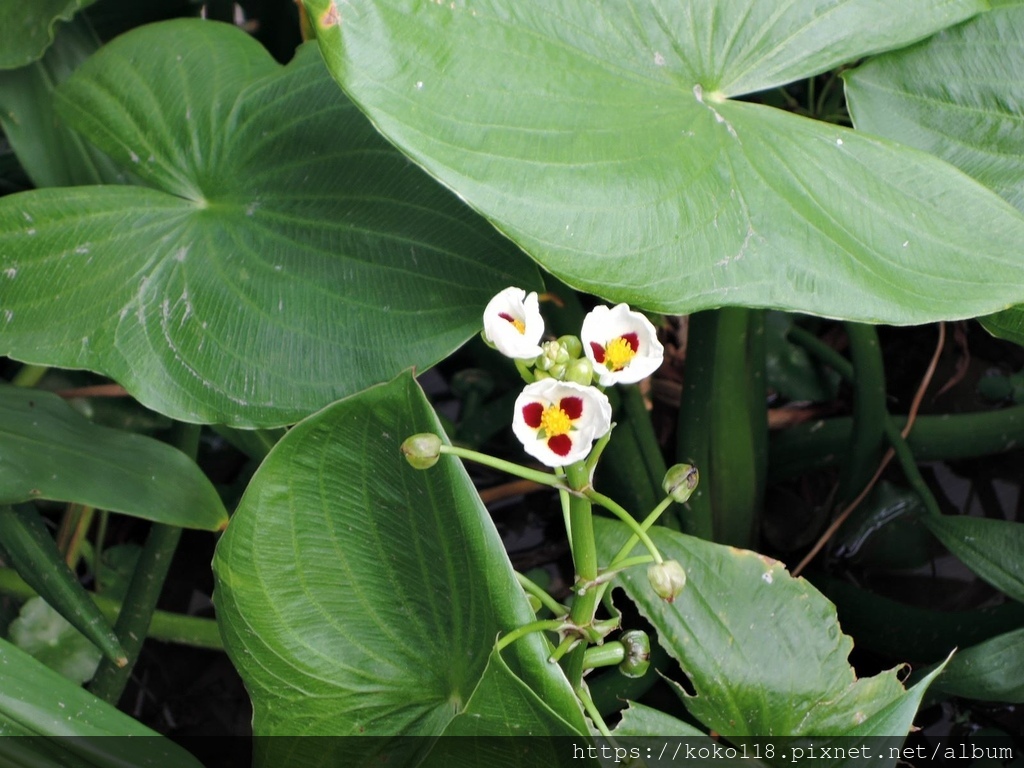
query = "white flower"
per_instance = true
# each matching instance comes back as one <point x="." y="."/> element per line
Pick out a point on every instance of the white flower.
<point x="513" y="324"/>
<point x="558" y="421"/>
<point x="622" y="345"/>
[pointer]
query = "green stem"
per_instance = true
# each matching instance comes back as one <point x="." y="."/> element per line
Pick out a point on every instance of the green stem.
<point x="909" y="465"/>
<point x="29" y="375"/>
<point x="869" y="412"/>
<point x="621" y="561"/>
<point x="562" y="649"/>
<point x="144" y="590"/>
<point x="948" y="437"/>
<point x="543" y="625"/>
<point x="639" y="532"/>
<point x="588" y="705"/>
<point x="584" y="556"/>
<point x="891" y="427"/>
<point x="546" y="600"/>
<point x="166" y="627"/>
<point x="607" y="655"/>
<point x="543" y="478"/>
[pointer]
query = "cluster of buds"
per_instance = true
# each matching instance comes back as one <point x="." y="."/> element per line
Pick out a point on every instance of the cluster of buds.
<point x="560" y="414"/>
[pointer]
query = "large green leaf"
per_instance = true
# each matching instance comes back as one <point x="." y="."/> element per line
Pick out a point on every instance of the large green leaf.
<point x="27" y="29"/>
<point x="283" y="255"/>
<point x="993" y="549"/>
<point x="359" y="596"/>
<point x="957" y="96"/>
<point x="49" y="451"/>
<point x="602" y="142"/>
<point x="763" y="651"/>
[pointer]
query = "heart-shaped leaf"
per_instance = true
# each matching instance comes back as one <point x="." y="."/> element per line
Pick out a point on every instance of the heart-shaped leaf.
<point x="957" y="96"/>
<point x="27" y="29"/>
<point x="603" y="142"/>
<point x="49" y="451"/>
<point x="763" y="650"/>
<point x="359" y="596"/>
<point x="283" y="255"/>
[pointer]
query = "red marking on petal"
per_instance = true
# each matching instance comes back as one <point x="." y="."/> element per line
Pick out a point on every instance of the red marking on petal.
<point x="507" y="316"/>
<point x="632" y="340"/>
<point x="560" y="445"/>
<point x="573" y="407"/>
<point x="532" y="413"/>
<point x="598" y="351"/>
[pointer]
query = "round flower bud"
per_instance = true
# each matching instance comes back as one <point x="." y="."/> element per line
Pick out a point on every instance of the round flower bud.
<point x="423" y="450"/>
<point x="638" y="653"/>
<point x="680" y="481"/>
<point x="580" y="371"/>
<point x="667" y="579"/>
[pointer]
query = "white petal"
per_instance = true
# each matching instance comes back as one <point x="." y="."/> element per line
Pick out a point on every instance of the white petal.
<point x="525" y="308"/>
<point x="594" y="421"/>
<point x="605" y="324"/>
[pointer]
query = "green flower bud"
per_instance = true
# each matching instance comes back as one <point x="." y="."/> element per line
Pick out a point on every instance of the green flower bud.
<point x="572" y="346"/>
<point x="423" y="450"/>
<point x="680" y="481"/>
<point x="638" y="653"/>
<point x="580" y="371"/>
<point x="667" y="579"/>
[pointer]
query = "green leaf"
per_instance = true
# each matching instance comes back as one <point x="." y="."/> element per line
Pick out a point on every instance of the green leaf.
<point x="993" y="549"/>
<point x="27" y="29"/>
<point x="42" y="632"/>
<point x="282" y="255"/>
<point x="763" y="651"/>
<point x="956" y="96"/>
<point x="640" y="720"/>
<point x="357" y="595"/>
<point x="50" y="452"/>
<point x="604" y="145"/>
<point x="990" y="671"/>
<point x="27" y="545"/>
<point x="36" y="701"/>
<point x="51" y="154"/>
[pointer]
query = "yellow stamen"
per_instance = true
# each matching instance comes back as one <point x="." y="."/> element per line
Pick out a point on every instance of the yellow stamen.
<point x="554" y="421"/>
<point x="617" y="354"/>
<point x="519" y="326"/>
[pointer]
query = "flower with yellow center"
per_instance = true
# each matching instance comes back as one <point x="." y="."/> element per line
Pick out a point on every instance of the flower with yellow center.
<point x="622" y="345"/>
<point x="513" y="325"/>
<point x="558" y="421"/>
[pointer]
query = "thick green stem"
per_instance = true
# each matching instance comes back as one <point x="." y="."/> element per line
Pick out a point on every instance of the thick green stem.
<point x="144" y="590"/>
<point x="584" y="556"/>
<point x="869" y="412"/>
<point x="720" y="431"/>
